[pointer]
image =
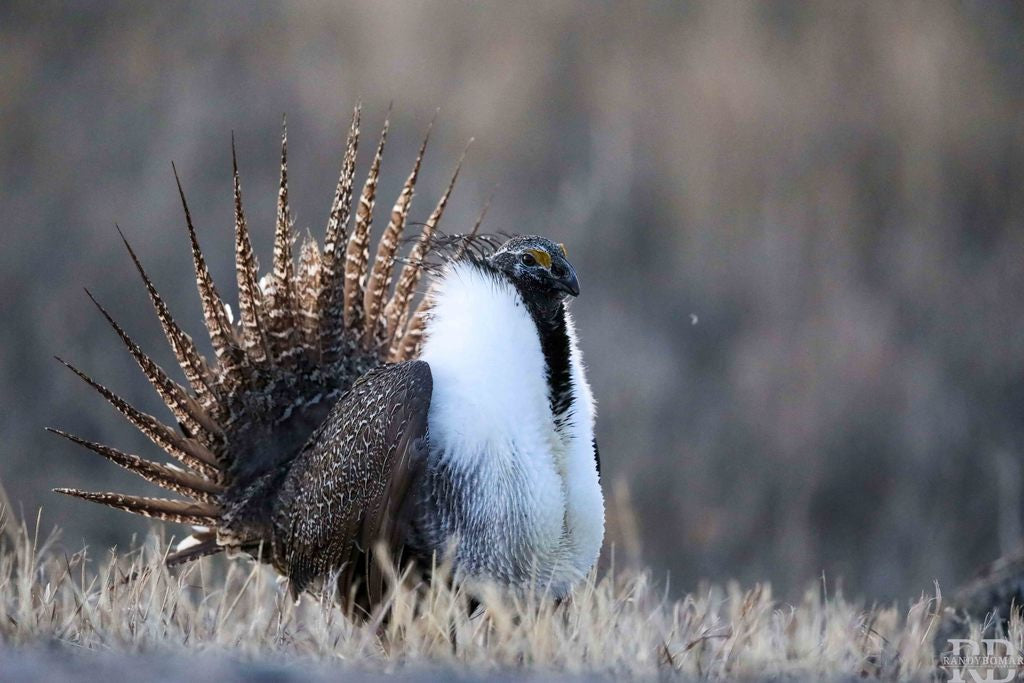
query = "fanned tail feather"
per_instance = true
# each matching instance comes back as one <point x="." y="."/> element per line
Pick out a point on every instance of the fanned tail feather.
<point x="172" y="479"/>
<point x="357" y="254"/>
<point x="191" y="361"/>
<point x="250" y="297"/>
<point x="187" y="451"/>
<point x="397" y="311"/>
<point x="332" y="293"/>
<point x="307" y="287"/>
<point x="409" y="343"/>
<point x="384" y="262"/>
<point x="185" y="409"/>
<point x="305" y="332"/>
<point x="281" y="309"/>
<point x="181" y="511"/>
<point x="229" y="356"/>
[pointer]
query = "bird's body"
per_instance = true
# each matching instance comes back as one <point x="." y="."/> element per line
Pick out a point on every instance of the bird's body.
<point x="339" y="415"/>
<point x="516" y="481"/>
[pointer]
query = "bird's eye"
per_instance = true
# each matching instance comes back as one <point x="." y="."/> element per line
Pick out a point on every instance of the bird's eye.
<point x="528" y="260"/>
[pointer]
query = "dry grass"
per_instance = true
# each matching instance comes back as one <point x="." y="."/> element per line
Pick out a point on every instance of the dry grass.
<point x="618" y="624"/>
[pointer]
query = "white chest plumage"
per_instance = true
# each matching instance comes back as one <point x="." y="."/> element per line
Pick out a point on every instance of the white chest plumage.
<point x="520" y="493"/>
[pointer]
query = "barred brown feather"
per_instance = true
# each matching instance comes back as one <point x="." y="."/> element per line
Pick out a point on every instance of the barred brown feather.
<point x="396" y="313"/>
<point x="332" y="294"/>
<point x="307" y="288"/>
<point x="173" y="394"/>
<point x="183" y="512"/>
<point x="228" y="354"/>
<point x="191" y="361"/>
<point x="281" y="310"/>
<point x="185" y="450"/>
<point x="250" y="297"/>
<point x="357" y="254"/>
<point x="384" y="263"/>
<point x="176" y="480"/>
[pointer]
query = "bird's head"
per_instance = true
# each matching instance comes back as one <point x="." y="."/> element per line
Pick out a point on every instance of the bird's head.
<point x="540" y="271"/>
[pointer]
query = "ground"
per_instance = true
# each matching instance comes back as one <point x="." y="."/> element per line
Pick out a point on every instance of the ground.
<point x="68" y="613"/>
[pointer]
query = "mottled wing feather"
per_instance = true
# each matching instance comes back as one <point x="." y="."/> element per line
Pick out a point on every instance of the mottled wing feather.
<point x="383" y="523"/>
<point x="343" y="491"/>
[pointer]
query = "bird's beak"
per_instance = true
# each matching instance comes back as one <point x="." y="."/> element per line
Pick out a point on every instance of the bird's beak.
<point x="568" y="282"/>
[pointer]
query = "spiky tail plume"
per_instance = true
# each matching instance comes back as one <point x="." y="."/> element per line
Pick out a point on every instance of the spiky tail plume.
<point x="304" y="334"/>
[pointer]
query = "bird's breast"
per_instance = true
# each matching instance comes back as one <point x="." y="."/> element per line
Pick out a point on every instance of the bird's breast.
<point x="519" y="496"/>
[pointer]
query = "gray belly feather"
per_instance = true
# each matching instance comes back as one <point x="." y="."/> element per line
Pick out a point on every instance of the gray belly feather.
<point x="483" y="519"/>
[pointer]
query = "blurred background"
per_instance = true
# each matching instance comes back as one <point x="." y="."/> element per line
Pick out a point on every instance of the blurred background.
<point x="835" y="191"/>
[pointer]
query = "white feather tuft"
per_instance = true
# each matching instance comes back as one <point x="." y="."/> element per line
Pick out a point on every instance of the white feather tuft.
<point x="186" y="543"/>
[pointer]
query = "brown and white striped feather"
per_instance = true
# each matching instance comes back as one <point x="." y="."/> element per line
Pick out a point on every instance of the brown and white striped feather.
<point x="384" y="262"/>
<point x="229" y="355"/>
<point x="252" y="316"/>
<point x="173" y="479"/>
<point x="192" y="363"/>
<point x="307" y="287"/>
<point x="281" y="311"/>
<point x="397" y="311"/>
<point x="180" y="511"/>
<point x="177" y="400"/>
<point x="357" y="253"/>
<point x="331" y="303"/>
<point x="187" y="451"/>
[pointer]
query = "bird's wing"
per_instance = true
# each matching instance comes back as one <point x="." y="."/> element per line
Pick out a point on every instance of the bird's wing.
<point x="343" y="493"/>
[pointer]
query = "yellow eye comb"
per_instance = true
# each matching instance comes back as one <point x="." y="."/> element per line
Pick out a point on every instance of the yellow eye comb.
<point x="543" y="257"/>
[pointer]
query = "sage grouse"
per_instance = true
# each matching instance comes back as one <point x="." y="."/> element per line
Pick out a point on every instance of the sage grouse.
<point x="344" y="413"/>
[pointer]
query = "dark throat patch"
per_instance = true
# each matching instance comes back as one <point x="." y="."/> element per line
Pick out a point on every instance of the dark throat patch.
<point x="554" y="343"/>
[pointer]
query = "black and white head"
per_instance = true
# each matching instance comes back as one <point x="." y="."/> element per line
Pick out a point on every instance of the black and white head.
<point x="540" y="271"/>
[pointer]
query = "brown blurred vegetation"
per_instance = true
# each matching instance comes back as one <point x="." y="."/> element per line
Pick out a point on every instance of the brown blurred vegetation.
<point x="834" y="190"/>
